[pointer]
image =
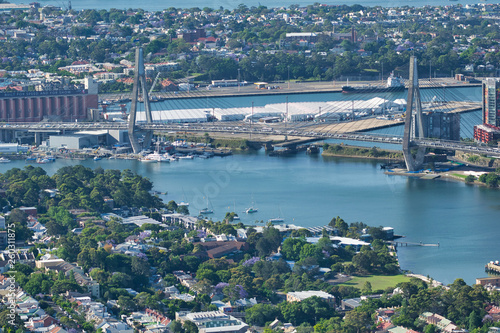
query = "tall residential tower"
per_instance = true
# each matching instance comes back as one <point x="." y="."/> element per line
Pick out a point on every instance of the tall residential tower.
<point x="490" y="129"/>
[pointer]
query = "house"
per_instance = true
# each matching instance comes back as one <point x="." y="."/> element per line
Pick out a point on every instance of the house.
<point x="29" y="210"/>
<point x="351" y="303"/>
<point x="44" y="321"/>
<point x="237" y="306"/>
<point x="400" y="329"/>
<point x="220" y="249"/>
<point x="213" y="321"/>
<point x="81" y="278"/>
<point x="439" y="321"/>
<point x="115" y="326"/>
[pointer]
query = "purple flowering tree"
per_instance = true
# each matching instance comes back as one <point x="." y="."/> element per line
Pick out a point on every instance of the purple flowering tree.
<point x="220" y="286"/>
<point x="250" y="262"/>
<point x="234" y="292"/>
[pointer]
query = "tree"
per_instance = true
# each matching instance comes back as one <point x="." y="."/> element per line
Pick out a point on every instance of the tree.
<point x="492" y="179"/>
<point x="61" y="286"/>
<point x="182" y="210"/>
<point x="261" y="313"/>
<point x="470" y="179"/>
<point x="430" y="328"/>
<point x="20" y="221"/>
<point x="270" y="241"/>
<point x="176" y="327"/>
<point x="190" y="327"/>
<point x="291" y="248"/>
<point x="340" y="224"/>
<point x="126" y="303"/>
<point x="357" y="321"/>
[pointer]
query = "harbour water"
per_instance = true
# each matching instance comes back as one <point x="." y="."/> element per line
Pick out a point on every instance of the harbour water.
<point x="231" y="4"/>
<point x="310" y="190"/>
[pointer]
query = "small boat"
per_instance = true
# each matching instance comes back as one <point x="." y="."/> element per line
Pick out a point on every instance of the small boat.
<point x="30" y="159"/>
<point x="147" y="160"/>
<point x="155" y="157"/>
<point x="4" y="160"/>
<point x="312" y="149"/>
<point x="43" y="161"/>
<point x="186" y="157"/>
<point x="171" y="158"/>
<point x="277" y="219"/>
<point x="182" y="203"/>
<point x="206" y="210"/>
<point x="251" y="210"/>
<point x="208" y="154"/>
<point x="236" y="217"/>
<point x="97" y="158"/>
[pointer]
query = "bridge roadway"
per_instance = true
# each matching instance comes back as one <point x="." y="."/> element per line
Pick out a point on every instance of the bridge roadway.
<point x="244" y="128"/>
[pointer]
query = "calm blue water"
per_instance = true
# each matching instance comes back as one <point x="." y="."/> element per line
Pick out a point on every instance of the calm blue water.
<point x="309" y="191"/>
<point x="150" y="5"/>
<point x="451" y="94"/>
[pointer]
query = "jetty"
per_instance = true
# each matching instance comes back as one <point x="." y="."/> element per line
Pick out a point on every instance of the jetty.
<point x="492" y="267"/>
<point x="404" y="243"/>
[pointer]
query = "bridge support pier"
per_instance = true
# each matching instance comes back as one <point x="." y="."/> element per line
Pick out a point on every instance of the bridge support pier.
<point x="413" y="121"/>
<point x="38" y="138"/>
<point x="139" y="79"/>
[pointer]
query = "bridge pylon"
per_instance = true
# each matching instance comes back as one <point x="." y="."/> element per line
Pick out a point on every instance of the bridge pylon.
<point x="139" y="80"/>
<point x="413" y="121"/>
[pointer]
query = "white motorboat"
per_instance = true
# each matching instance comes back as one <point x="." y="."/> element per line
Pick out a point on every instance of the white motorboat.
<point x="186" y="157"/>
<point x="251" y="210"/>
<point x="155" y="157"/>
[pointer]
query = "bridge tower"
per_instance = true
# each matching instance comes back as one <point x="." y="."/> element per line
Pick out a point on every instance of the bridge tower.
<point x="139" y="80"/>
<point x="413" y="121"/>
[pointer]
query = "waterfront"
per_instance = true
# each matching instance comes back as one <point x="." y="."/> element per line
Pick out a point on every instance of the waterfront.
<point x="232" y="4"/>
<point x="310" y="190"/>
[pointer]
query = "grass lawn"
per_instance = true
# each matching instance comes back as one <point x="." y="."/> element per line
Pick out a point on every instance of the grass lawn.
<point x="377" y="281"/>
<point x="459" y="175"/>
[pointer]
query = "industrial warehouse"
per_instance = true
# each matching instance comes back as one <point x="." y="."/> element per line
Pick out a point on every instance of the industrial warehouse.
<point x="292" y="112"/>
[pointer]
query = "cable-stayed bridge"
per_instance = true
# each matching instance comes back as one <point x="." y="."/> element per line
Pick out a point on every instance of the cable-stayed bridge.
<point x="241" y="130"/>
<point x="349" y="117"/>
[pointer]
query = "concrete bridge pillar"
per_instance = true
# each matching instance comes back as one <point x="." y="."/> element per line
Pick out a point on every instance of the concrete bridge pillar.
<point x="139" y="80"/>
<point x="38" y="138"/>
<point x="413" y="107"/>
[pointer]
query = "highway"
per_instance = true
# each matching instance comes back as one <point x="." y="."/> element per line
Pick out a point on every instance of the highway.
<point x="241" y="128"/>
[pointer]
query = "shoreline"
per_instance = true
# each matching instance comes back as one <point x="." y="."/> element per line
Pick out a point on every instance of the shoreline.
<point x="362" y="157"/>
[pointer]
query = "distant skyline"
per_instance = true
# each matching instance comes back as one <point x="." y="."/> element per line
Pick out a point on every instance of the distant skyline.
<point x="153" y="5"/>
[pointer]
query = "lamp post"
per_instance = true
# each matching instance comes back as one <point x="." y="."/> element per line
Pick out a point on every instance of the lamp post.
<point x="288" y="76"/>
<point x="251" y="121"/>
<point x="238" y="80"/>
